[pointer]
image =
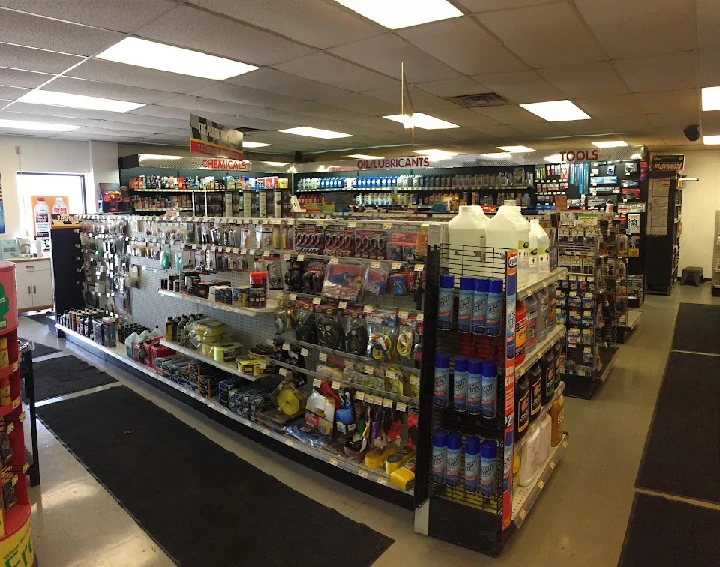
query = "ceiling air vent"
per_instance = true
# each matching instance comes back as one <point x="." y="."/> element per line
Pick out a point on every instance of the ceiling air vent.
<point x="478" y="100"/>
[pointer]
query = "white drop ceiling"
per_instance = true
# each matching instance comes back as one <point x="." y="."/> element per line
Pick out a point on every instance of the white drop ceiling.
<point x="635" y="67"/>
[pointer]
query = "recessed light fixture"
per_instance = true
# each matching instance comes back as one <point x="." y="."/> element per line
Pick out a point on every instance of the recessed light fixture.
<point x="516" y="149"/>
<point x="39" y="126"/>
<point x="436" y="154"/>
<point x="254" y="144"/>
<point x="498" y="155"/>
<point x="53" y="98"/>
<point x="146" y="157"/>
<point x="315" y="133"/>
<point x="556" y="111"/>
<point x="711" y="98"/>
<point x="610" y="144"/>
<point x="420" y="120"/>
<point x="363" y="156"/>
<point x="275" y="163"/>
<point x="711" y="140"/>
<point x="152" y="55"/>
<point x="402" y="13"/>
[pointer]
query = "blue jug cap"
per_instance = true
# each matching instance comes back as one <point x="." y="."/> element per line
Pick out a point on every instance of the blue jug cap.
<point x="475" y="366"/>
<point x="496" y="286"/>
<point x="442" y="360"/>
<point x="461" y="364"/>
<point x="447" y="280"/>
<point x="472" y="445"/>
<point x="482" y="284"/>
<point x="467" y="283"/>
<point x="488" y="449"/>
<point x="454" y="440"/>
<point x="440" y="437"/>
<point x="489" y="368"/>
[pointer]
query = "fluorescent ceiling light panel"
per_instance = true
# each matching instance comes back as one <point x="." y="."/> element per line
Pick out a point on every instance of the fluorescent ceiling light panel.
<point x="315" y="133"/>
<point x="53" y="98"/>
<point x="556" y="111"/>
<point x="363" y="156"/>
<point x="420" y="120"/>
<point x="610" y="144"/>
<point x="436" y="154"/>
<point x="516" y="149"/>
<point x="498" y="155"/>
<point x="39" y="126"/>
<point x="152" y="55"/>
<point x="711" y="98"/>
<point x="711" y="140"/>
<point x="275" y="163"/>
<point x="254" y="144"/>
<point x="397" y="14"/>
<point x="145" y="157"/>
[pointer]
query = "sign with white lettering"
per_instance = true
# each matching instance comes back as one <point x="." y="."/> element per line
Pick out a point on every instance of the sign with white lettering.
<point x="393" y="163"/>
<point x="212" y="139"/>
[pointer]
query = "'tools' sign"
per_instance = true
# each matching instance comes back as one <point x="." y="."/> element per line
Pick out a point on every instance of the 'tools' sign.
<point x="580" y="155"/>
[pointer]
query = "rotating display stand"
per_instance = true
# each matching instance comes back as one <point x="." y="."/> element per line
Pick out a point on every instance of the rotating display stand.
<point x="15" y="529"/>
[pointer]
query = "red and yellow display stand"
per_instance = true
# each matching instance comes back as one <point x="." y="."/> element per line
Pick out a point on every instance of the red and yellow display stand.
<point x="16" y="548"/>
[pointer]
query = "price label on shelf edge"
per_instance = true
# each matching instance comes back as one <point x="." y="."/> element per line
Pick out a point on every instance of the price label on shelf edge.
<point x="322" y="356"/>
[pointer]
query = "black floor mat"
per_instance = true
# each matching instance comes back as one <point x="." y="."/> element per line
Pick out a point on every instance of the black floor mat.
<point x="681" y="452"/>
<point x="64" y="375"/>
<point x="201" y="503"/>
<point x="697" y="328"/>
<point x="665" y="532"/>
<point x="41" y="349"/>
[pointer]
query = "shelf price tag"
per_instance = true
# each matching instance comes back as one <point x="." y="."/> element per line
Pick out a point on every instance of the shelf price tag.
<point x="287" y="256"/>
<point x="387" y="403"/>
<point x="289" y="442"/>
<point x="293" y="296"/>
<point x="283" y="371"/>
<point x="352" y="224"/>
<point x="390" y="373"/>
<point x="382" y="480"/>
<point x="375" y="264"/>
<point x="342" y="305"/>
<point x="387" y="225"/>
<point x="368" y="309"/>
<point x="333" y="461"/>
<point x="369" y="369"/>
<point x="419" y="267"/>
<point x="10" y="428"/>
<point x="243" y="251"/>
<point x="360" y="396"/>
<point x="333" y="260"/>
<point x="286" y="346"/>
<point x="275" y="221"/>
<point x="421" y="317"/>
<point x="322" y="356"/>
<point x="396" y="265"/>
<point x="269" y="342"/>
<point x="251" y="252"/>
<point x="540" y="484"/>
<point x="316" y="301"/>
<point x="301" y="257"/>
<point x="414" y="380"/>
<point x="401" y="406"/>
<point x="304" y="352"/>
<point x="363" y="473"/>
<point x="317" y="382"/>
<point x="552" y="465"/>
<point x="335" y="385"/>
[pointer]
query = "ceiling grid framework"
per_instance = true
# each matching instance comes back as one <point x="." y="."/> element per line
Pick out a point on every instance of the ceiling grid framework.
<point x="634" y="67"/>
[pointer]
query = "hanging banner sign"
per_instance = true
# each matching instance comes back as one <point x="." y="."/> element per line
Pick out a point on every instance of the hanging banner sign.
<point x="212" y="139"/>
<point x="580" y="155"/>
<point x="393" y="163"/>
<point x="674" y="162"/>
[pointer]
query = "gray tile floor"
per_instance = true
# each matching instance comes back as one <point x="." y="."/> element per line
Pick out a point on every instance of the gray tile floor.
<point x="580" y="518"/>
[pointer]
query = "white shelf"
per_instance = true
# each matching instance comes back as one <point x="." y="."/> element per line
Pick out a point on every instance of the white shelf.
<point x="531" y="358"/>
<point x="248" y="311"/>
<point x="340" y="461"/>
<point x="229" y="367"/>
<point x="524" y="497"/>
<point x="537" y="284"/>
<point x="633" y="318"/>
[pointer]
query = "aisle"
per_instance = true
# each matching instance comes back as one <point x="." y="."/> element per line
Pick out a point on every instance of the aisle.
<point x="580" y="518"/>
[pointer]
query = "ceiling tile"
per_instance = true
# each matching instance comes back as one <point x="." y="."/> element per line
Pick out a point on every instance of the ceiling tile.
<point x="582" y="127"/>
<point x="162" y="112"/>
<point x="658" y="73"/>
<point x="196" y="104"/>
<point x="521" y="87"/>
<point x="106" y="90"/>
<point x="508" y="114"/>
<point x="585" y="80"/>
<point x="600" y="106"/>
<point x="124" y="127"/>
<point x="299" y="20"/>
<point x="458" y="41"/>
<point x="385" y="54"/>
<point x="454" y="87"/>
<point x="14" y="78"/>
<point x="222" y="36"/>
<point x="132" y="76"/>
<point x="325" y="68"/>
<point x="708" y="23"/>
<point x="274" y="81"/>
<point x="35" y="59"/>
<point x="119" y="15"/>
<point x="526" y="31"/>
<point x="360" y="103"/>
<point x="466" y="118"/>
<point x="11" y="93"/>
<point x="245" y="95"/>
<point x="641" y="27"/>
<point x="710" y="123"/>
<point x="165" y="122"/>
<point x="422" y="101"/>
<point x="673" y="119"/>
<point x="491" y="5"/>
<point x="34" y="31"/>
<point x="543" y="128"/>
<point x="709" y="67"/>
<point x="685" y="100"/>
<point x="12" y="114"/>
<point x="314" y="108"/>
<point x="60" y="111"/>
